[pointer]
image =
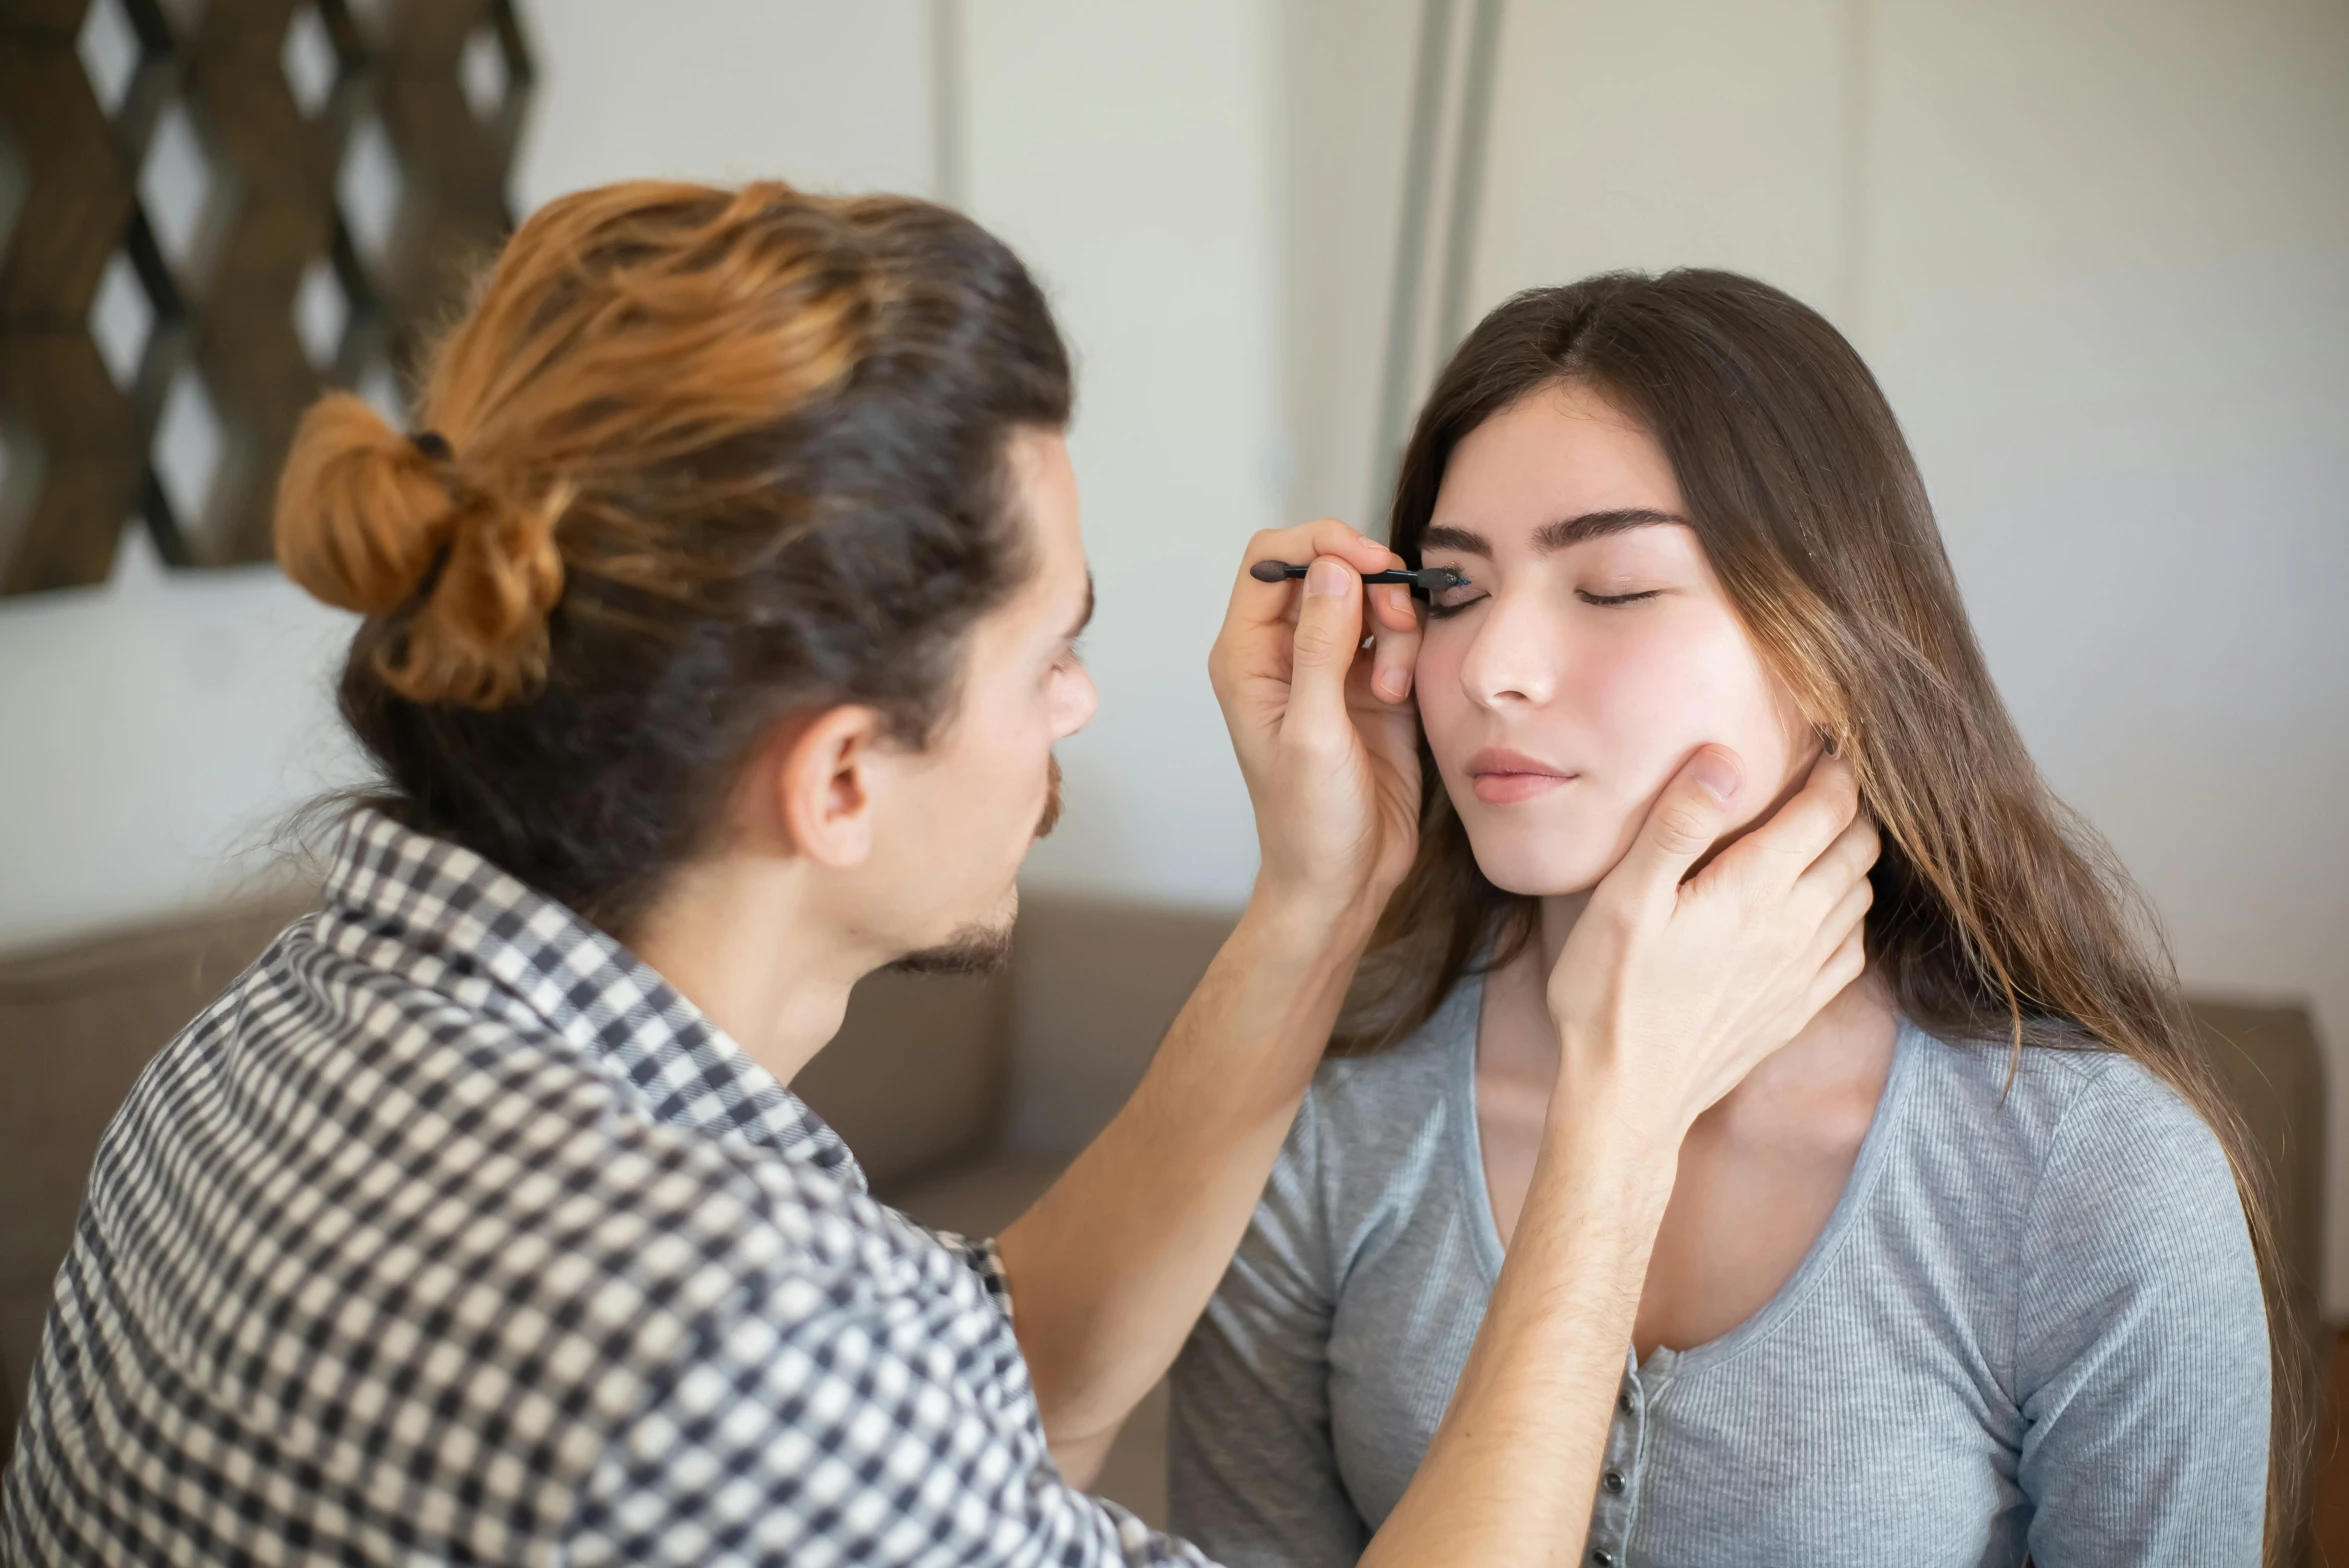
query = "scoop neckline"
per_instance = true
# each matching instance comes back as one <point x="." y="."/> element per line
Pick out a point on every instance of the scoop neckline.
<point x="1665" y="1364"/>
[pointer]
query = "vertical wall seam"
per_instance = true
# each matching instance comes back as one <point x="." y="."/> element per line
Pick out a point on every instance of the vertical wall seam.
<point x="1858" y="86"/>
<point x="949" y="168"/>
<point x="1476" y="115"/>
<point x="1435" y="35"/>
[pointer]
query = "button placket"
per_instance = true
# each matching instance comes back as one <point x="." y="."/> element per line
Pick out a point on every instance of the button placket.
<point x="1611" y="1509"/>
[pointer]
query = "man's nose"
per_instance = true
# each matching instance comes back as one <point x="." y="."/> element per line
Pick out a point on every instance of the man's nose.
<point x="1082" y="701"/>
<point x="1515" y="658"/>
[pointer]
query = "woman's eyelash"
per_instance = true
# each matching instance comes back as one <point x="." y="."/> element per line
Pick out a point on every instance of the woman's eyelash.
<point x="1439" y="612"/>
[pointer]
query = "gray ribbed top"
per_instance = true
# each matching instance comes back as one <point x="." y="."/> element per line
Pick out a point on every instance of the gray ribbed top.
<point x="2030" y="1326"/>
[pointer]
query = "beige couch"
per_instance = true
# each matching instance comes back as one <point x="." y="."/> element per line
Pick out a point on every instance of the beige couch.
<point x="961" y="1097"/>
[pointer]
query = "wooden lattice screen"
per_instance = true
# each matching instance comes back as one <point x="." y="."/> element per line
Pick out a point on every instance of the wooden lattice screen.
<point x="209" y="210"/>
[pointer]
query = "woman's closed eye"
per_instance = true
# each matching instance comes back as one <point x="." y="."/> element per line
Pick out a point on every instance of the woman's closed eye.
<point x="1451" y="602"/>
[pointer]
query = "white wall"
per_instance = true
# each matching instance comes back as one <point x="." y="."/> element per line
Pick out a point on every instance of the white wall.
<point x="156" y="728"/>
<point x="155" y="731"/>
<point x="1345" y="96"/>
<point x="2095" y="251"/>
<point x="2108" y="290"/>
<point x="1129" y="154"/>
<point x="827" y="96"/>
<point x="1664" y="134"/>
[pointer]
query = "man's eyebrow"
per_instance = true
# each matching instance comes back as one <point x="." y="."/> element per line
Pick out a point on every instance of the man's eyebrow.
<point x="1553" y="537"/>
<point x="1086" y="619"/>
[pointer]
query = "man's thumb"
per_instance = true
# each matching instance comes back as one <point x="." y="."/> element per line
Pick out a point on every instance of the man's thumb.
<point x="1687" y="819"/>
<point x="1328" y="636"/>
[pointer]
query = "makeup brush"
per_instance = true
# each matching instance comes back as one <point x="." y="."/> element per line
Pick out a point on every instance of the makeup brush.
<point x="1428" y="579"/>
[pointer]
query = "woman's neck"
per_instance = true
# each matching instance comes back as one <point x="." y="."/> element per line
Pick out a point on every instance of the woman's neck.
<point x="1554" y="923"/>
<point x="1843" y="1052"/>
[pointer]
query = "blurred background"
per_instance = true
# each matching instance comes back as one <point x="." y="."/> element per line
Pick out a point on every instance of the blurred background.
<point x="2098" y="253"/>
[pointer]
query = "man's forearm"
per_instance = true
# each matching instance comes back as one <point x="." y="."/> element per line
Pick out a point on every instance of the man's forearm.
<point x="1111" y="1266"/>
<point x="1509" y="1480"/>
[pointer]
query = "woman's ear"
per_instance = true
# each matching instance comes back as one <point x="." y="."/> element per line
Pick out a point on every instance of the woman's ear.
<point x="1819" y="718"/>
<point x="824" y="781"/>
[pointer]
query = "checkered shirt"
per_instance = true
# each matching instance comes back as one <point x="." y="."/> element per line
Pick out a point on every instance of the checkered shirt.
<point x="452" y="1233"/>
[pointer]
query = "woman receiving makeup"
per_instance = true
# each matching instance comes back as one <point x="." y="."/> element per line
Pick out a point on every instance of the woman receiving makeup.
<point x="1977" y="1267"/>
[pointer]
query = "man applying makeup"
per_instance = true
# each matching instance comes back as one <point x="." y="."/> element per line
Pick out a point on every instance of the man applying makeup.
<point x="716" y="635"/>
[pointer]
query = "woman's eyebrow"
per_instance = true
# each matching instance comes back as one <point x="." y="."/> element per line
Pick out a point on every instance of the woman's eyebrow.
<point x="1440" y="537"/>
<point x="1552" y="537"/>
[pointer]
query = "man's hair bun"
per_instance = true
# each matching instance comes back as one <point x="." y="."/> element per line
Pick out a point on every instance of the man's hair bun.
<point x="463" y="573"/>
<point x="712" y="458"/>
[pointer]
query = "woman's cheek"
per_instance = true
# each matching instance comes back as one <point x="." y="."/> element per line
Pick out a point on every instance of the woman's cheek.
<point x="1690" y="684"/>
<point x="1436" y="680"/>
<point x="1654" y="699"/>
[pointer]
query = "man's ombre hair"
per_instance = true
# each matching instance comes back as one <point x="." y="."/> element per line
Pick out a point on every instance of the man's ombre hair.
<point x="692" y="460"/>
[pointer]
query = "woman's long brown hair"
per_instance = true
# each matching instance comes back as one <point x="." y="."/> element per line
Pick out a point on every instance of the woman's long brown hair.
<point x="1999" y="916"/>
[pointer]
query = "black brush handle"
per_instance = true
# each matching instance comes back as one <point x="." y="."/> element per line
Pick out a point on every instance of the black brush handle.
<point x="1428" y="579"/>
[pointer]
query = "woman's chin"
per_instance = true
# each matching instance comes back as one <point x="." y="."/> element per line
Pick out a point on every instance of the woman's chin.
<point x="1538" y="875"/>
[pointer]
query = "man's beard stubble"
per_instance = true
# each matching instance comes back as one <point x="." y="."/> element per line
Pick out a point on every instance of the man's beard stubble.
<point x="1051" y="817"/>
<point x="984" y="946"/>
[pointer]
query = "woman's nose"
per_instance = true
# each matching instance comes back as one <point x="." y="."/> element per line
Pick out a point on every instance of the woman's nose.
<point x="1515" y="657"/>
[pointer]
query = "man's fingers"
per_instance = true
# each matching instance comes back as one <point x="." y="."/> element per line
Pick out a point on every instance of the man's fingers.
<point x="1686" y="820"/>
<point x="1264" y="604"/>
<point x="1391" y="609"/>
<point x="1846" y="922"/>
<point x="1847" y="859"/>
<point x="1396" y="625"/>
<point x="1328" y="636"/>
<point x="1800" y="831"/>
<point x="1847" y="964"/>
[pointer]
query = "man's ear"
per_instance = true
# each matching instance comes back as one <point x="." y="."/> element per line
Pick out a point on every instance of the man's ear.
<point x="824" y="781"/>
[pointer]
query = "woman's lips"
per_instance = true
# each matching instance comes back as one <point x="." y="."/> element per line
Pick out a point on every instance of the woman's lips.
<point x="1503" y="778"/>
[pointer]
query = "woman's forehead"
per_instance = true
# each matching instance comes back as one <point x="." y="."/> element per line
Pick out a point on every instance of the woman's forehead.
<point x="1561" y="453"/>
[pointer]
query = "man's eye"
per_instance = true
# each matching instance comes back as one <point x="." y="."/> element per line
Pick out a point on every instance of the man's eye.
<point x="1587" y="597"/>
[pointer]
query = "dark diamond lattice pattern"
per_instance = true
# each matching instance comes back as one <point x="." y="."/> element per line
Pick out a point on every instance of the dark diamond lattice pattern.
<point x="210" y="210"/>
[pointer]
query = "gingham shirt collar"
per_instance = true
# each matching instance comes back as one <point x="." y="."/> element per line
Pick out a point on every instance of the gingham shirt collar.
<point x="442" y="899"/>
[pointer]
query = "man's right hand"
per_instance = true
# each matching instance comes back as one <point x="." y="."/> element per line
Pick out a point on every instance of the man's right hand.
<point x="1325" y="731"/>
<point x="1672" y="987"/>
<point x="1112" y="1266"/>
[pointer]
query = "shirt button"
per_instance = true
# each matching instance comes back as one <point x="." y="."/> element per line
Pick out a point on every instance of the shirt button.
<point x="1623" y="1403"/>
<point x="1614" y="1480"/>
<point x="1603" y="1557"/>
